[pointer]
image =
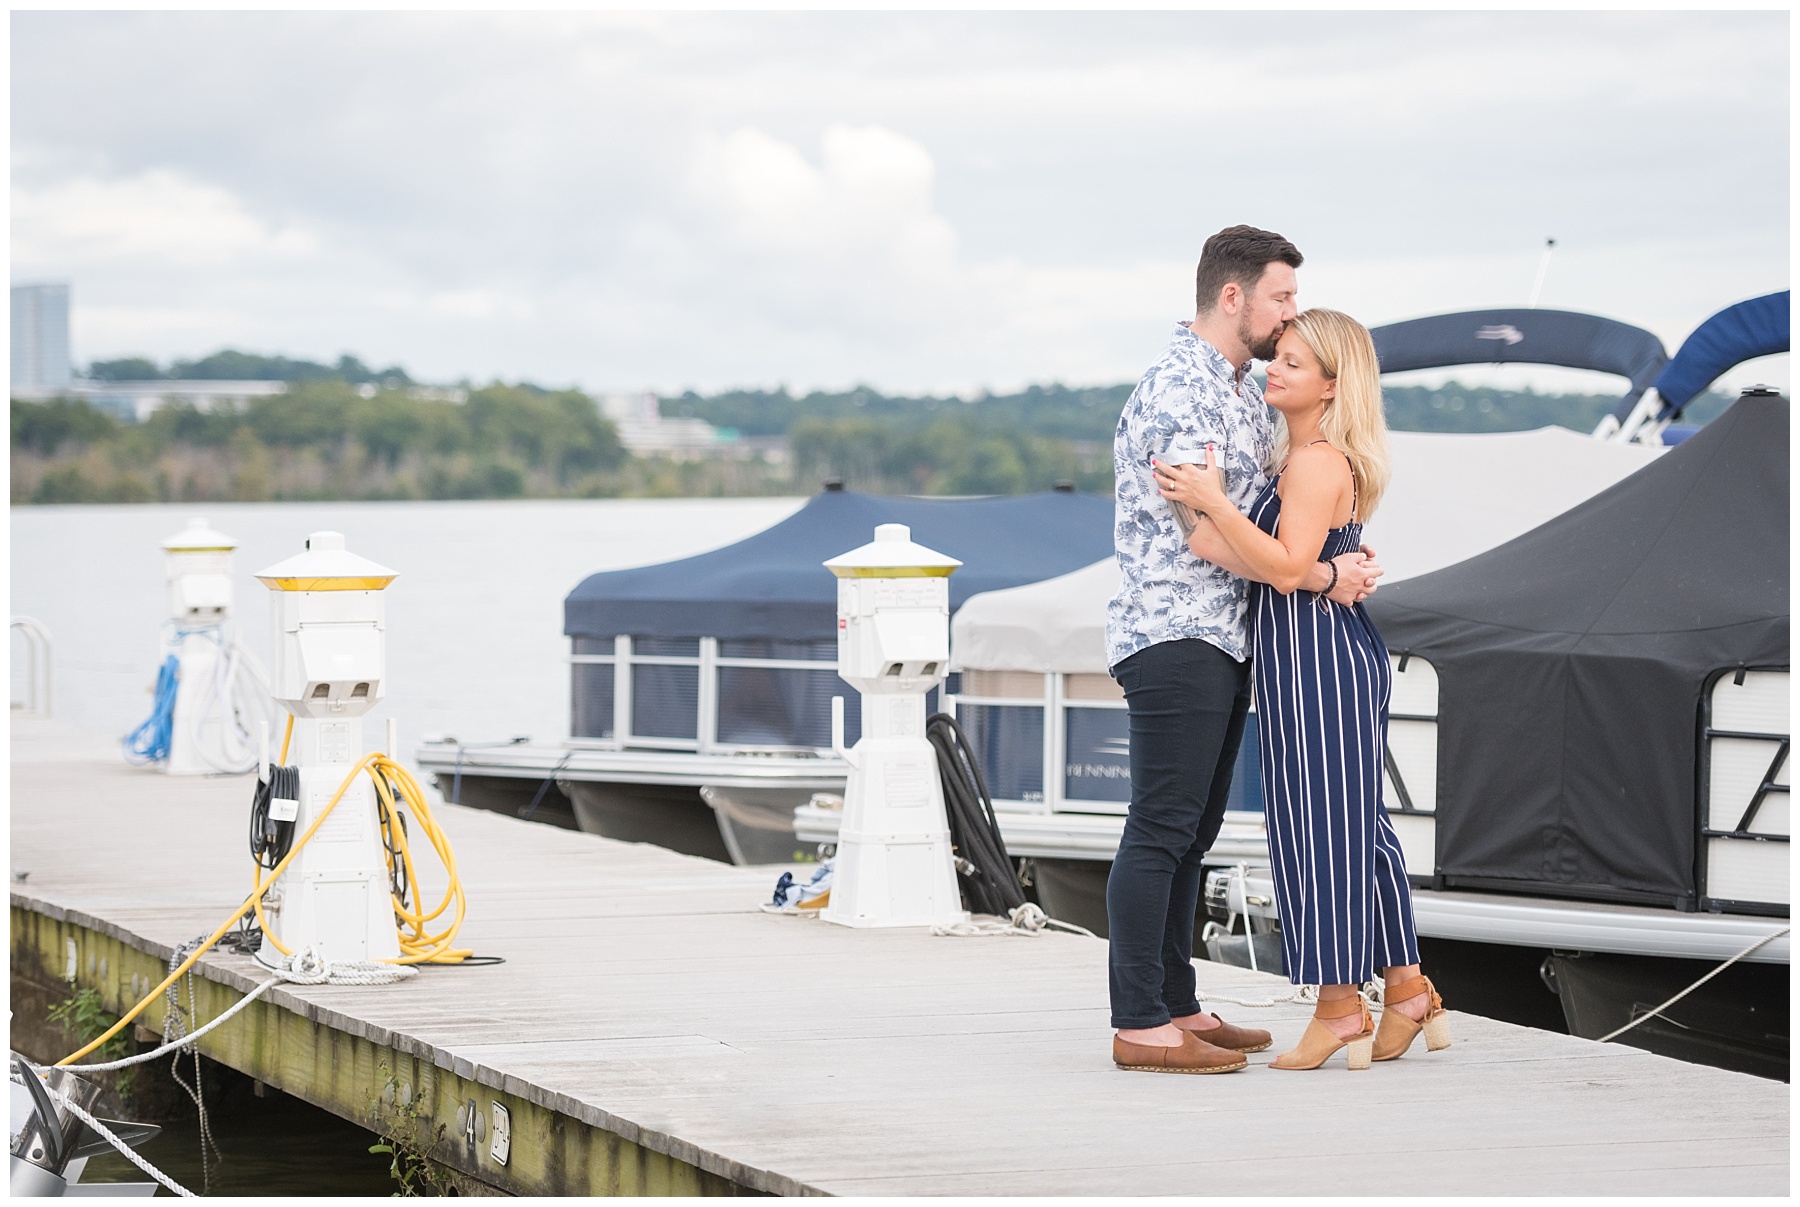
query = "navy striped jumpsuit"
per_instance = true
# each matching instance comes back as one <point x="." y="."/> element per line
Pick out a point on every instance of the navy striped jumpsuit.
<point x="1322" y="687"/>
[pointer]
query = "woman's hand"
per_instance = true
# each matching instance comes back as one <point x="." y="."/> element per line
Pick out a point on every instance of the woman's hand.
<point x="1201" y="486"/>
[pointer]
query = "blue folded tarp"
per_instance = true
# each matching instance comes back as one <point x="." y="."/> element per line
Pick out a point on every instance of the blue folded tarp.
<point x="1758" y="327"/>
<point x="773" y="584"/>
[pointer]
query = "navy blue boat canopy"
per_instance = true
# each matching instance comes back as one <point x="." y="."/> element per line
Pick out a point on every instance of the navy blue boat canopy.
<point x="1538" y="337"/>
<point x="773" y="585"/>
<point x="1758" y="327"/>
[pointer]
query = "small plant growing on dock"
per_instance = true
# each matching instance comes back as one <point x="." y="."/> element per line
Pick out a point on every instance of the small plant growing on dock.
<point x="82" y="1017"/>
<point x="407" y="1140"/>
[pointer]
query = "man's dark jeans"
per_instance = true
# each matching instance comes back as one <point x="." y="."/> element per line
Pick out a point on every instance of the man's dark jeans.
<point x="1188" y="700"/>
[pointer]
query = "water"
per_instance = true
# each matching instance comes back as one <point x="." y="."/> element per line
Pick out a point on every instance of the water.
<point x="273" y="1146"/>
<point x="475" y="645"/>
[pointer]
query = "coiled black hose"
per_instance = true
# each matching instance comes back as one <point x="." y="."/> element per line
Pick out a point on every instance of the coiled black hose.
<point x="990" y="884"/>
<point x="270" y="839"/>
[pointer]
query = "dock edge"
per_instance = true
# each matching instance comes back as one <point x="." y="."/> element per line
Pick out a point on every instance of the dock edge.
<point x="360" y="1072"/>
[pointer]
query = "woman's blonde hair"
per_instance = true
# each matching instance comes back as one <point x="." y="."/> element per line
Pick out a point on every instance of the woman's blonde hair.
<point x="1354" y="421"/>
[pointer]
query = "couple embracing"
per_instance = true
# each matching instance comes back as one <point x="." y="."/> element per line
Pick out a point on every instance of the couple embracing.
<point x="1239" y="546"/>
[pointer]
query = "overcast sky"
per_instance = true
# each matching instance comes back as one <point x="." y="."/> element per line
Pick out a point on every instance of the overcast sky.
<point x="914" y="201"/>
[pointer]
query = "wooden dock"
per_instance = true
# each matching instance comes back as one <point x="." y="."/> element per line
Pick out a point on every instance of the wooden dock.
<point x="652" y="1032"/>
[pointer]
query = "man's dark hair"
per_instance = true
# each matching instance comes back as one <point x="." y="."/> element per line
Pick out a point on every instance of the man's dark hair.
<point x="1238" y="253"/>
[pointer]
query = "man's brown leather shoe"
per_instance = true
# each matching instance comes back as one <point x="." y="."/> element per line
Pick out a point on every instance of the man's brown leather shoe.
<point x="1238" y="1039"/>
<point x="1194" y="1055"/>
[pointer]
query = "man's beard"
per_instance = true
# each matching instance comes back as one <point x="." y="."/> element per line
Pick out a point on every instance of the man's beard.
<point x="1260" y="349"/>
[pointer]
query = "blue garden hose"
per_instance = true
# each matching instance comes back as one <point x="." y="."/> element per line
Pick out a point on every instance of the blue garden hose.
<point x="149" y="742"/>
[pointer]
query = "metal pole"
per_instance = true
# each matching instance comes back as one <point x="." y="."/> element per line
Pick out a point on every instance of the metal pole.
<point x="1537" y="287"/>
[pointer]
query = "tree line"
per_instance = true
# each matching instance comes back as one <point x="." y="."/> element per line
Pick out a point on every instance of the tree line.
<point x="348" y="432"/>
<point x="320" y="440"/>
<point x="230" y="365"/>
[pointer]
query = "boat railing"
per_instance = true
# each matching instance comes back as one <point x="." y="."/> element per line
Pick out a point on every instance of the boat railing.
<point x="706" y="695"/>
<point x="38" y="649"/>
<point x="1744" y="825"/>
<point x="1049" y="743"/>
<point x="1409" y="780"/>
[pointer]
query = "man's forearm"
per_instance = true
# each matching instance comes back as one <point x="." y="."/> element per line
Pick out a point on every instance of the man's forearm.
<point x="1208" y="544"/>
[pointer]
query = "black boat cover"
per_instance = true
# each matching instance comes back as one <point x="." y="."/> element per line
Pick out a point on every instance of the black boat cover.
<point x="1758" y="327"/>
<point x="1571" y="663"/>
<point x="1538" y="337"/>
<point x="773" y="585"/>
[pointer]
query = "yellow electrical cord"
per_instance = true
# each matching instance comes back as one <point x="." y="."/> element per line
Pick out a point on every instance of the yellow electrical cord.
<point x="418" y="947"/>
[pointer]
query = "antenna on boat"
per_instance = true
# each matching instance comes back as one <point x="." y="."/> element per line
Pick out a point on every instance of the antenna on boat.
<point x="1543" y="271"/>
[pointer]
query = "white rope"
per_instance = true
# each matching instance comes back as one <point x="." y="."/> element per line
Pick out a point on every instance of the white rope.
<point x="125" y="1149"/>
<point x="182" y="1042"/>
<point x="238" y="694"/>
<point x="302" y="968"/>
<point x="1766" y="939"/>
<point x="1029" y="920"/>
<point x="1301" y="993"/>
<point x="1026" y="920"/>
<point x="308" y="967"/>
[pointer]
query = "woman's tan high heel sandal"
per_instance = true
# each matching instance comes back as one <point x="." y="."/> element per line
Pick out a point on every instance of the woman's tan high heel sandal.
<point x="1398" y="1031"/>
<point x="1319" y="1042"/>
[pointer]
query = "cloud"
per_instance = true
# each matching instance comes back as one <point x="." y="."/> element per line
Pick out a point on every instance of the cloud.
<point x="481" y="304"/>
<point x="854" y="238"/>
<point x="870" y="196"/>
<point x="157" y="217"/>
<point x="914" y="200"/>
<point x="843" y="259"/>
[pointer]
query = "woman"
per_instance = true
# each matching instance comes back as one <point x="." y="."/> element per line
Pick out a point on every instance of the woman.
<point x="1322" y="687"/>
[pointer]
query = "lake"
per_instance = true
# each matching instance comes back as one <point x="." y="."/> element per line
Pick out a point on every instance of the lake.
<point x="474" y="621"/>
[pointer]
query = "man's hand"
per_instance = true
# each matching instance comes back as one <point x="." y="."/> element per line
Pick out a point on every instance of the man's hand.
<point x="1357" y="573"/>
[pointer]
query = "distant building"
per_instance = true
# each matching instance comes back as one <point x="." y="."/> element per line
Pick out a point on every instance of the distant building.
<point x="431" y="393"/>
<point x="644" y="431"/>
<point x="41" y="367"/>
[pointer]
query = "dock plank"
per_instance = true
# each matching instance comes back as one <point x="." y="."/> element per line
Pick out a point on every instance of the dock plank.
<point x="645" y="992"/>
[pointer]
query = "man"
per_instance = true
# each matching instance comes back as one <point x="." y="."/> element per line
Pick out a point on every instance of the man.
<point x="1177" y="645"/>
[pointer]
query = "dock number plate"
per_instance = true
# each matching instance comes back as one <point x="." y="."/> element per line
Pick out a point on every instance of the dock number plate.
<point x="501" y="1148"/>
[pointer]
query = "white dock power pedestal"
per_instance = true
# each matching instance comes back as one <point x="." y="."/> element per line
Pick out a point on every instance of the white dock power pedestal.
<point x="197" y="564"/>
<point x="894" y="865"/>
<point x="327" y="620"/>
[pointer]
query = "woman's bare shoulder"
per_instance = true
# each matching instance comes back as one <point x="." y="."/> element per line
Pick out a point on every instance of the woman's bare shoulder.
<point x="1319" y="462"/>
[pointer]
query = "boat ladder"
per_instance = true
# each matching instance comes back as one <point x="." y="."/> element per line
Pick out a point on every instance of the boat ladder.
<point x="38" y="648"/>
